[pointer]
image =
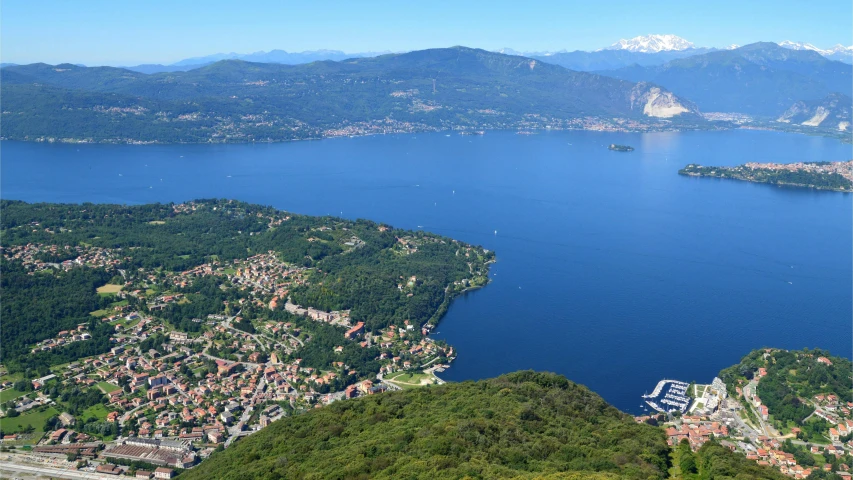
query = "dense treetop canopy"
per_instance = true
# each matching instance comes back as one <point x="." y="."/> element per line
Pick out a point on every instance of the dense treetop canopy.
<point x="522" y="425"/>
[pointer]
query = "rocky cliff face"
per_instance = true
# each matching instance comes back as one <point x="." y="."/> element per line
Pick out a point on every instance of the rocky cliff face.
<point x="833" y="111"/>
<point x="658" y="103"/>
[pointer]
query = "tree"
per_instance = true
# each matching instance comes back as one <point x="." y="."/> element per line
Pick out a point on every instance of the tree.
<point x="50" y="423"/>
<point x="688" y="464"/>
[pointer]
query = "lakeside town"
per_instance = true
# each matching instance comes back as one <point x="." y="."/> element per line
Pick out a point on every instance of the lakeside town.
<point x="836" y="176"/>
<point x="845" y="169"/>
<point x="228" y="130"/>
<point x="168" y="398"/>
<point x="739" y="420"/>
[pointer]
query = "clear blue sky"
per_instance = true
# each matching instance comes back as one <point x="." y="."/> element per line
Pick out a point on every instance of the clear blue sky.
<point x="119" y="32"/>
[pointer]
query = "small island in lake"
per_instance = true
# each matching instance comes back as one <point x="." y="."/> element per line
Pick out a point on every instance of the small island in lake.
<point x="837" y="176"/>
<point x="620" y="148"/>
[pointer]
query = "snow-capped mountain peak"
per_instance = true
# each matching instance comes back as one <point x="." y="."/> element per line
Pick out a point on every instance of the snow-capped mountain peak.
<point x="509" y="51"/>
<point x="802" y="46"/>
<point x="839" y="48"/>
<point x="837" y="52"/>
<point x="652" y="44"/>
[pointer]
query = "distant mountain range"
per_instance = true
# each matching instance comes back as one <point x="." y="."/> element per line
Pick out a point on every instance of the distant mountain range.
<point x="759" y="79"/>
<point x="611" y="59"/>
<point x="440" y="88"/>
<point x="646" y="50"/>
<point x="651" y="50"/>
<point x="443" y="88"/>
<point x="652" y="44"/>
<point x="273" y="56"/>
<point x="838" y="52"/>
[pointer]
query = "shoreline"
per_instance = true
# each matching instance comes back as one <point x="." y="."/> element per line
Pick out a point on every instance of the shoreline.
<point x="823" y="176"/>
<point x="790" y="185"/>
<point x="445" y="306"/>
<point x="847" y="139"/>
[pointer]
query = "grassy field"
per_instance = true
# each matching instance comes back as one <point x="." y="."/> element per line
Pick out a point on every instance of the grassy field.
<point x="108" y="387"/>
<point x="410" y="380"/>
<point x="12" y="377"/>
<point x="110" y="289"/>
<point x="229" y="271"/>
<point x="110" y="310"/>
<point x="98" y="411"/>
<point x="34" y="418"/>
<point x="9" y="394"/>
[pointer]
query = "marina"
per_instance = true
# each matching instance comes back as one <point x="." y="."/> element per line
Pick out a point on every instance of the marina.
<point x="669" y="396"/>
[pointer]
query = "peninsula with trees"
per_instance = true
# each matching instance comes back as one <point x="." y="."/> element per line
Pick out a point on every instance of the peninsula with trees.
<point x="836" y="176"/>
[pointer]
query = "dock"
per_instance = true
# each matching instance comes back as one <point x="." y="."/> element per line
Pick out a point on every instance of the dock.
<point x="669" y="396"/>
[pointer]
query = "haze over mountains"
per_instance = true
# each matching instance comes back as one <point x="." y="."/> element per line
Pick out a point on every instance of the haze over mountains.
<point x="434" y="89"/>
<point x="652" y="50"/>
<point x="759" y="79"/>
<point x="645" y="50"/>
<point x="430" y="89"/>
<point x="837" y="52"/>
<point x="273" y="56"/>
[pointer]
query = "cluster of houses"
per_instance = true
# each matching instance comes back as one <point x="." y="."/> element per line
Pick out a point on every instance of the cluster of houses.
<point x="262" y="274"/>
<point x="376" y="127"/>
<point x="363" y="388"/>
<point x="63" y="338"/>
<point x="340" y="318"/>
<point x="157" y="401"/>
<point x="827" y="406"/>
<point x="30" y="256"/>
<point x="696" y="430"/>
<point x="768" y="452"/>
<point x="845" y="169"/>
<point x="179" y="390"/>
<point x="831" y="409"/>
<point x="750" y="393"/>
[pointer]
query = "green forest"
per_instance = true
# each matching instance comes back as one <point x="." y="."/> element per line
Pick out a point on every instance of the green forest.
<point x="520" y="425"/>
<point x="35" y="307"/>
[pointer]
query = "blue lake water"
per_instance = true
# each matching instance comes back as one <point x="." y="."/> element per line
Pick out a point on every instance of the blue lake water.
<point x="612" y="269"/>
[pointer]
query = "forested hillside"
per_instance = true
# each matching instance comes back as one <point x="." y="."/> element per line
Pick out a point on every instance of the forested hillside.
<point x="520" y="425"/>
<point x="57" y="255"/>
<point x="234" y="100"/>
<point x="37" y="306"/>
